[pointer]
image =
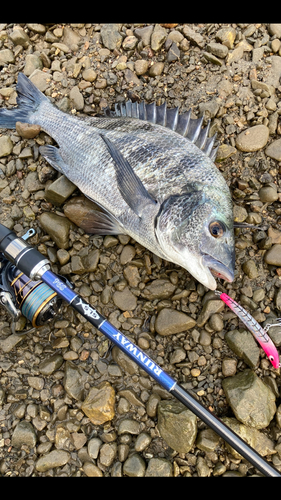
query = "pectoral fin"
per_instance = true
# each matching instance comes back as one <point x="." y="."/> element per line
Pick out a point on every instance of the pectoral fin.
<point x="130" y="186"/>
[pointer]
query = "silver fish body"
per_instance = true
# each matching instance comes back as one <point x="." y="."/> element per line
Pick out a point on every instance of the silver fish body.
<point x="152" y="182"/>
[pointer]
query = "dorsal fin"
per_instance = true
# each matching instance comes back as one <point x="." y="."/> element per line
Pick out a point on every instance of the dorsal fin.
<point x="183" y="124"/>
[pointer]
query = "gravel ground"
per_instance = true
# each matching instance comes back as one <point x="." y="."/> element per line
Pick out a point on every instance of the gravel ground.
<point x="69" y="404"/>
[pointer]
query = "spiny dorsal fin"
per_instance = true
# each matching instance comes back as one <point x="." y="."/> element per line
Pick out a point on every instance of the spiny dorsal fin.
<point x="183" y="124"/>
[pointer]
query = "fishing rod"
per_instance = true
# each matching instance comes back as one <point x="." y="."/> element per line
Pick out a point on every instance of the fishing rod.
<point x="32" y="264"/>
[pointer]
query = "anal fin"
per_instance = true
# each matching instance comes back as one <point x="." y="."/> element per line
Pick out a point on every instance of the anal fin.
<point x="52" y="155"/>
<point x="101" y="223"/>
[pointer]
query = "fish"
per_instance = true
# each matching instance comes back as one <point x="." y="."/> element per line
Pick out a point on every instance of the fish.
<point x="149" y="169"/>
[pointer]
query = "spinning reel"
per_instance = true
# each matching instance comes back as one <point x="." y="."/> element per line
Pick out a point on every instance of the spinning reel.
<point x="21" y="295"/>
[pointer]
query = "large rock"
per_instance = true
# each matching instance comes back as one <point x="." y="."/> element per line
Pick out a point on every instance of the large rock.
<point x="256" y="439"/>
<point x="177" y="425"/>
<point x="252" y="402"/>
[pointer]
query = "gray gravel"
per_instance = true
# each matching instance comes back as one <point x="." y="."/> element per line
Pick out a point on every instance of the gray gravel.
<point x="69" y="404"/>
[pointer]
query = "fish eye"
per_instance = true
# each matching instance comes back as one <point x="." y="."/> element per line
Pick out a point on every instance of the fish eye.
<point x="217" y="229"/>
<point x="271" y="358"/>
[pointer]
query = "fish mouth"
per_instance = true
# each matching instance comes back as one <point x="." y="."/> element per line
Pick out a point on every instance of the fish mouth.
<point x="218" y="269"/>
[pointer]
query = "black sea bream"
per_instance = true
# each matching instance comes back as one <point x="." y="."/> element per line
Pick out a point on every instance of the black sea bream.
<point x="150" y="169"/>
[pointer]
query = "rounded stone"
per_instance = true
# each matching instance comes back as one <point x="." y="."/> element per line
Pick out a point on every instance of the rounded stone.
<point x="273" y="255"/>
<point x="134" y="466"/>
<point x="6" y="145"/>
<point x="92" y="470"/>
<point x="125" y="300"/>
<point x="56" y="458"/>
<point x="159" y="467"/>
<point x="170" y="321"/>
<point x="268" y="194"/>
<point x="156" y="69"/>
<point x="253" y="138"/>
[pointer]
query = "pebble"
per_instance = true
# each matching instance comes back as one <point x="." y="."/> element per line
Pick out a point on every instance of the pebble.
<point x="177" y="425"/>
<point x="207" y="440"/>
<point x="141" y="66"/>
<point x="76" y="98"/>
<point x="50" y="364"/>
<point x="156" y="69"/>
<point x="217" y="49"/>
<point x="125" y="300"/>
<point x="170" y="321"/>
<point x="249" y="267"/>
<point x="20" y="37"/>
<point x="229" y="366"/>
<point x="57" y="227"/>
<point x="58" y="192"/>
<point x="142" y="442"/>
<point x="32" y="62"/>
<point x="27" y="131"/>
<point x="99" y="403"/>
<point x="6" y="57"/>
<point x="144" y="34"/>
<point x="134" y="466"/>
<point x="252" y="402"/>
<point x="129" y="426"/>
<point x="74" y="379"/>
<point x="194" y="37"/>
<point x="274" y="150"/>
<point x="203" y="470"/>
<point x="268" y="194"/>
<point x="159" y="289"/>
<point x="110" y="36"/>
<point x="226" y="36"/>
<point x="158" y="37"/>
<point x="252" y="139"/>
<point x="127" y="254"/>
<point x="56" y="458"/>
<point x="92" y="470"/>
<point x="159" y="467"/>
<point x="108" y="452"/>
<point x="210" y="307"/>
<point x="40" y="79"/>
<point x="6" y="146"/>
<point x="244" y="345"/>
<point x="24" y="434"/>
<point x="93" y="447"/>
<point x="273" y="255"/>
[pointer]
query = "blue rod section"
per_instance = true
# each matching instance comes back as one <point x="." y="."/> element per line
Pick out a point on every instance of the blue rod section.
<point x="105" y="327"/>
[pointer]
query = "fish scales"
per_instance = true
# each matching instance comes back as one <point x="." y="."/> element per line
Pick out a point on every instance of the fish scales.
<point x="154" y="184"/>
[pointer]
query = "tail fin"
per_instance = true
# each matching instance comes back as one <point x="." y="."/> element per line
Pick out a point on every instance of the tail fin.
<point x="28" y="99"/>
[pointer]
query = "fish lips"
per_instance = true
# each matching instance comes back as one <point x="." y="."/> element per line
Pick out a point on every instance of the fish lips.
<point x="218" y="269"/>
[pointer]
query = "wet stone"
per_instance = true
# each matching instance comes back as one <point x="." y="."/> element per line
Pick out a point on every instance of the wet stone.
<point x="108" y="452"/>
<point x="249" y="267"/>
<point x="177" y="425"/>
<point x="134" y="466"/>
<point x="210" y="307"/>
<point x="207" y="440"/>
<point x="94" y="445"/>
<point x="50" y="364"/>
<point x="252" y="402"/>
<point x="129" y="426"/>
<point x="159" y="289"/>
<point x="24" y="434"/>
<point x="57" y="227"/>
<point x="92" y="470"/>
<point x="56" y="458"/>
<point x="74" y="380"/>
<point x="143" y="440"/>
<point x="159" y="467"/>
<point x="170" y="321"/>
